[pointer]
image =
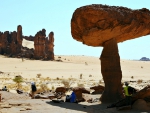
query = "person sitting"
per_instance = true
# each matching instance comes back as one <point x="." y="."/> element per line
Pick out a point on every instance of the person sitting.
<point x="129" y="91"/>
<point x="4" y="88"/>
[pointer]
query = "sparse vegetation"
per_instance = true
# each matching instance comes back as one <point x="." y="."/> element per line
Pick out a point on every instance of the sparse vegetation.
<point x="38" y="75"/>
<point x="67" y="82"/>
<point x="80" y="85"/>
<point x="139" y="81"/>
<point x="18" y="79"/>
<point x="90" y="75"/>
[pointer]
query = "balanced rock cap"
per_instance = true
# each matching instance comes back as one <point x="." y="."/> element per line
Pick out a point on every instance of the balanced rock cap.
<point x="95" y="24"/>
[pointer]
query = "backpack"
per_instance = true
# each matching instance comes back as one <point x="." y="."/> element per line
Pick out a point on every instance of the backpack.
<point x="131" y="90"/>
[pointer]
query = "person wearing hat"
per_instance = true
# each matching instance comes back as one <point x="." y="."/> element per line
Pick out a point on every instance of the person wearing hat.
<point x="33" y="89"/>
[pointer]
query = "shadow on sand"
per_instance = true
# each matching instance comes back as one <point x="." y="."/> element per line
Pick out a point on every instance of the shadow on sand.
<point x="80" y="107"/>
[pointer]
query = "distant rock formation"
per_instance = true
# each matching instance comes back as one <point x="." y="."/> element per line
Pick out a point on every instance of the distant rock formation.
<point x="39" y="44"/>
<point x="11" y="45"/>
<point x="50" y="46"/>
<point x="145" y="59"/>
<point x="11" y="42"/>
<point x="29" y="38"/>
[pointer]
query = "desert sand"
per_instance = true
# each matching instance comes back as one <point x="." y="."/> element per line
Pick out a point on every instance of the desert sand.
<point x="65" y="67"/>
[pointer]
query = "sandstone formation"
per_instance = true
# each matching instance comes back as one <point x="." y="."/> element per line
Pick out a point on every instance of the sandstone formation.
<point x="94" y="24"/>
<point x="29" y="38"/>
<point x="50" y="46"/>
<point x="11" y="45"/>
<point x="11" y="42"/>
<point x="19" y="38"/>
<point x="98" y="89"/>
<point x="101" y="25"/>
<point x="39" y="44"/>
<point x="61" y="89"/>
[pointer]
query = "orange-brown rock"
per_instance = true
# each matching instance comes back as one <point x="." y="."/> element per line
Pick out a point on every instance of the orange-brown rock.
<point x="60" y="89"/>
<point x="39" y="44"/>
<point x="29" y="38"/>
<point x="50" y="46"/>
<point x="14" y="42"/>
<point x="78" y="91"/>
<point x="95" y="24"/>
<point x="111" y="72"/>
<point x="19" y="38"/>
<point x="98" y="89"/>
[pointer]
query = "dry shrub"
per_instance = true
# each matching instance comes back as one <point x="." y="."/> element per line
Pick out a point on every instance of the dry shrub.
<point x="132" y="77"/>
<point x="139" y="81"/>
<point x="90" y="75"/>
<point x="80" y="85"/>
<point x="38" y="75"/>
<point x="42" y="88"/>
<point x="67" y="82"/>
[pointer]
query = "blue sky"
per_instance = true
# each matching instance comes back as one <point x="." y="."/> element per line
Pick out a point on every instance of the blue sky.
<point x="55" y="15"/>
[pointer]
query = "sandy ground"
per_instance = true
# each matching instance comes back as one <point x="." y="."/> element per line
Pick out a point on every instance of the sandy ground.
<point x="70" y="67"/>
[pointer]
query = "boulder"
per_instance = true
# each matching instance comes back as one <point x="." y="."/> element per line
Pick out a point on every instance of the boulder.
<point x="140" y="105"/>
<point x="60" y="89"/>
<point x="98" y="89"/>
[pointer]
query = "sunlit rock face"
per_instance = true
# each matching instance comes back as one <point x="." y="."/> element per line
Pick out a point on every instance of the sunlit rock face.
<point x="94" y="24"/>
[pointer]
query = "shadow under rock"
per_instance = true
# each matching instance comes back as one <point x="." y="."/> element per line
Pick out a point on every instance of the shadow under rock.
<point x="80" y="107"/>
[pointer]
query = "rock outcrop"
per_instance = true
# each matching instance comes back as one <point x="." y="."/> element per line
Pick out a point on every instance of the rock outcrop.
<point x="97" y="89"/>
<point x="39" y="44"/>
<point x="102" y="25"/>
<point x="11" y="45"/>
<point x="29" y="38"/>
<point x="11" y="42"/>
<point x="50" y="46"/>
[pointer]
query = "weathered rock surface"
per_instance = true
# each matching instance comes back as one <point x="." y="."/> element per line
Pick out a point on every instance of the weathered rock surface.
<point x="39" y="44"/>
<point x="29" y="38"/>
<point x="95" y="24"/>
<point x="60" y="89"/>
<point x="11" y="45"/>
<point x="50" y="46"/>
<point x="111" y="72"/>
<point x="98" y="89"/>
<point x="19" y="38"/>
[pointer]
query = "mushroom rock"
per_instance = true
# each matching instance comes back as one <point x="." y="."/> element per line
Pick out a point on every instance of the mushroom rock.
<point x="50" y="46"/>
<point x="19" y="38"/>
<point x="102" y="25"/>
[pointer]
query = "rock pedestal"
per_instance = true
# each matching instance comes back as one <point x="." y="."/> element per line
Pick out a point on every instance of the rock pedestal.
<point x="111" y="72"/>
